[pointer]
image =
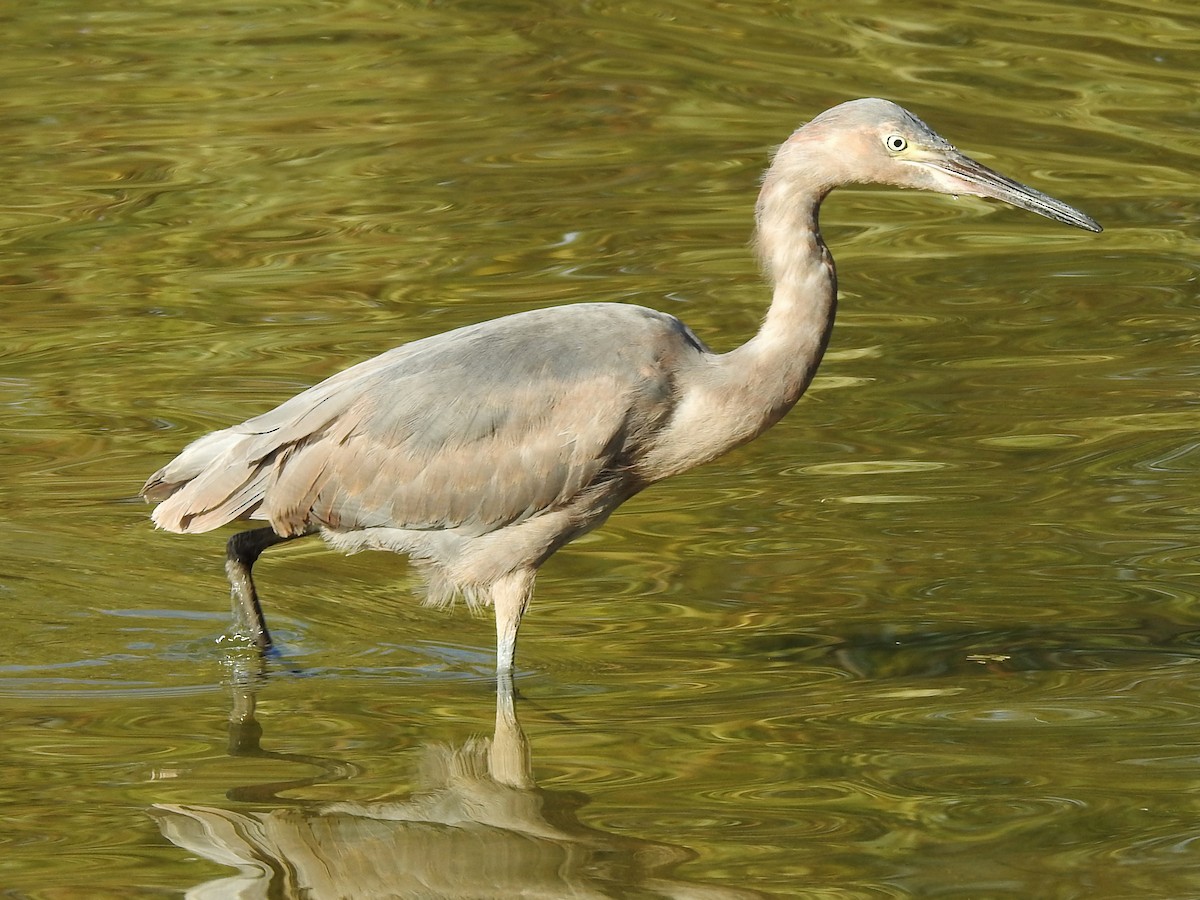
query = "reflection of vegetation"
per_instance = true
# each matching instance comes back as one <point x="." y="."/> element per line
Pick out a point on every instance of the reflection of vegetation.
<point x="478" y="827"/>
<point x="893" y="652"/>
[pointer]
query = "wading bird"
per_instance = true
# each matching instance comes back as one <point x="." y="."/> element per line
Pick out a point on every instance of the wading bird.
<point x="481" y="451"/>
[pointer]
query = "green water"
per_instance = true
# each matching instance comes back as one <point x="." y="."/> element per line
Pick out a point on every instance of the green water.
<point x="934" y="635"/>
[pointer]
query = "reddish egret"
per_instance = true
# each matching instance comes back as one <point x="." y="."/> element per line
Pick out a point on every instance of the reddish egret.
<point x="481" y="451"/>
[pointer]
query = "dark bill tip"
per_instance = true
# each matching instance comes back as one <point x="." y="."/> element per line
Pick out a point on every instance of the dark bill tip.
<point x="976" y="178"/>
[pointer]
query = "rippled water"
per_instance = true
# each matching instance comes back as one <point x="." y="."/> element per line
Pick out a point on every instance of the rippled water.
<point x="934" y="635"/>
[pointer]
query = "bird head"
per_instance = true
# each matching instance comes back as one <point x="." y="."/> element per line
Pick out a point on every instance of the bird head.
<point x="874" y="141"/>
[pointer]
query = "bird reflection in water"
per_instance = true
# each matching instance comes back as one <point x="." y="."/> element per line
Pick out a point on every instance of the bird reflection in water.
<point x="478" y="826"/>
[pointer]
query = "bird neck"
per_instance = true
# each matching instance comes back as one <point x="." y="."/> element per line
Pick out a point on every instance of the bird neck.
<point x="770" y="372"/>
<point x="733" y="397"/>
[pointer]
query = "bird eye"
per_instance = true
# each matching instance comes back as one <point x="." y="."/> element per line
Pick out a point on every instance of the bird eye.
<point x="895" y="143"/>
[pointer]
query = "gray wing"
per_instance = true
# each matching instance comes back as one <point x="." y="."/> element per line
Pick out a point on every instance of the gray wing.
<point x="475" y="428"/>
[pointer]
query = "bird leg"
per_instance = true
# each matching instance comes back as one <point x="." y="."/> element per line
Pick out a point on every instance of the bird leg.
<point x="241" y="552"/>
<point x="510" y="597"/>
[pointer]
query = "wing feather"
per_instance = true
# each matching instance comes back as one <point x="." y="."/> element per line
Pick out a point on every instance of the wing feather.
<point x="474" y="429"/>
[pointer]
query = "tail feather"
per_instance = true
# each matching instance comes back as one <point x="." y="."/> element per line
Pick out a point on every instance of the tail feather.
<point x="190" y="511"/>
<point x="212" y="482"/>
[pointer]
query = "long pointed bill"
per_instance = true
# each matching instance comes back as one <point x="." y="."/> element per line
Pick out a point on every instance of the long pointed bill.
<point x="959" y="174"/>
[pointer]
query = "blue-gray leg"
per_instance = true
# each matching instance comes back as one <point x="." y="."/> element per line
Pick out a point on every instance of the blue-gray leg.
<point x="510" y="597"/>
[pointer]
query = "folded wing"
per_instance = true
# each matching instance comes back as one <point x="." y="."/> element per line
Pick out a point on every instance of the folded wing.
<point x="473" y="429"/>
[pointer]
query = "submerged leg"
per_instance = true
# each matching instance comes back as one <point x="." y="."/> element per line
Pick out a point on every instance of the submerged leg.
<point x="510" y="597"/>
<point x="241" y="552"/>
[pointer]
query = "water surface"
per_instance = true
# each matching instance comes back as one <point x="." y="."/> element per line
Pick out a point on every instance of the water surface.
<point x="934" y="635"/>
